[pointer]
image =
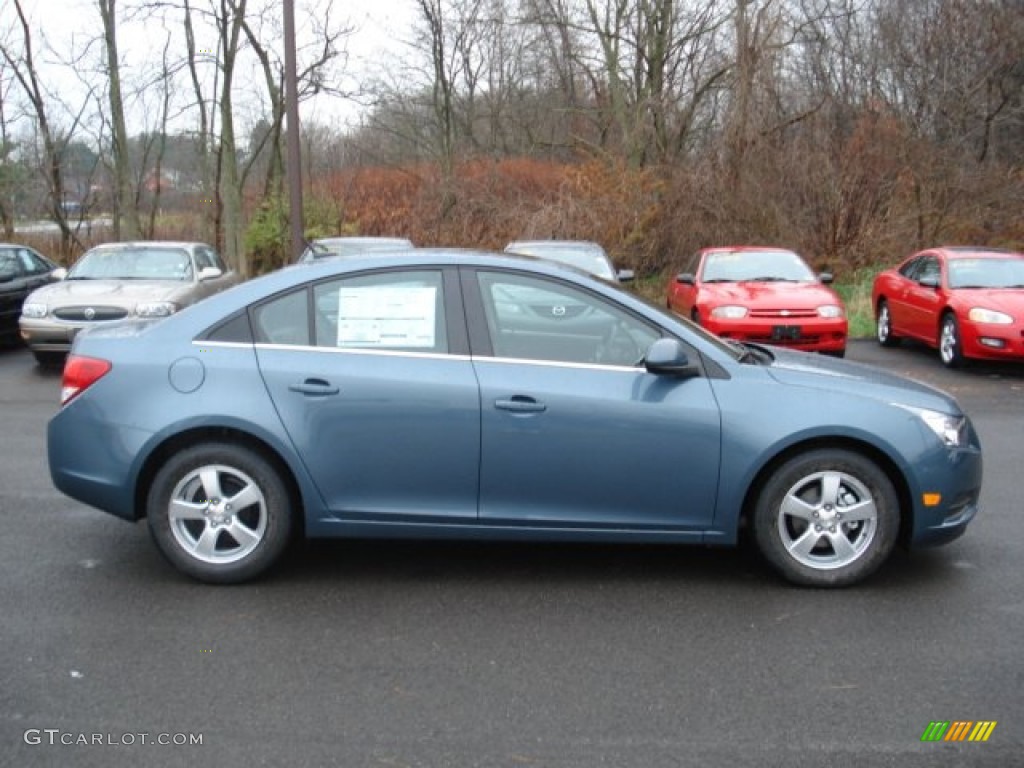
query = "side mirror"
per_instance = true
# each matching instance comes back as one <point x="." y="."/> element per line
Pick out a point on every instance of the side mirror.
<point x="686" y="278"/>
<point x="59" y="273"/>
<point x="929" y="281"/>
<point x="666" y="357"/>
<point x="626" y="275"/>
<point x="826" y="278"/>
<point x="209" y="273"/>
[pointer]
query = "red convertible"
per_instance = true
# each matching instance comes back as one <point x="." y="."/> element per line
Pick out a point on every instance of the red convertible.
<point x="764" y="295"/>
<point x="968" y="302"/>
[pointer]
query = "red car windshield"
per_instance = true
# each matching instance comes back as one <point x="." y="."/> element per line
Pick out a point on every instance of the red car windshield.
<point x="986" y="273"/>
<point x="765" y="266"/>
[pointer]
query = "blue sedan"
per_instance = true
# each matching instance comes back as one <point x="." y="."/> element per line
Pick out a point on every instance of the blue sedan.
<point x="456" y="394"/>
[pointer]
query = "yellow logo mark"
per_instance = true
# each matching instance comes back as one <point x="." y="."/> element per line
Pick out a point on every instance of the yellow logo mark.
<point x="958" y="730"/>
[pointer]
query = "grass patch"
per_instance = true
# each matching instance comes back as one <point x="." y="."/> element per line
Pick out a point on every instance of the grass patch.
<point x="856" y="294"/>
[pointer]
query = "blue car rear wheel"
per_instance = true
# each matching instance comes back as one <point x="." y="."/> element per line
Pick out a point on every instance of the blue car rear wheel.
<point x="219" y="512"/>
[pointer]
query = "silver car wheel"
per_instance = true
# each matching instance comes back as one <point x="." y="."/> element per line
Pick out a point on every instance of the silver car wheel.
<point x="217" y="514"/>
<point x="948" y="341"/>
<point x="883" y="323"/>
<point x="827" y="520"/>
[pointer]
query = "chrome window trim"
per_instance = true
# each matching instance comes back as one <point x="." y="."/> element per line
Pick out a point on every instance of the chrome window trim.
<point x="421" y="355"/>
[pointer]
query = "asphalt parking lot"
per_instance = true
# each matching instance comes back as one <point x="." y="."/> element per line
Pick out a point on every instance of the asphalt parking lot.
<point x="428" y="654"/>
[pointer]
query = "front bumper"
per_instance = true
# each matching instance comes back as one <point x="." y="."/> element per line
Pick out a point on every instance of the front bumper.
<point x="49" y="334"/>
<point x="993" y="342"/>
<point x="956" y="477"/>
<point x="807" y="334"/>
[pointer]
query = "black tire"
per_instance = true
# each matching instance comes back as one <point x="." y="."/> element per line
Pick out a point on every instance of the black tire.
<point x="218" y="543"/>
<point x="695" y="316"/>
<point x="951" y="350"/>
<point x="883" y="325"/>
<point x="51" y="361"/>
<point x="803" y="539"/>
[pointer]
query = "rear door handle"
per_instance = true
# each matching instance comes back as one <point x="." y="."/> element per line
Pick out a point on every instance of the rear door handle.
<point x="520" y="404"/>
<point x="314" y="387"/>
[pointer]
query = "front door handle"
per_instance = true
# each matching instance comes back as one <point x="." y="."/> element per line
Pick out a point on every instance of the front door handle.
<point x="520" y="404"/>
<point x="314" y="387"/>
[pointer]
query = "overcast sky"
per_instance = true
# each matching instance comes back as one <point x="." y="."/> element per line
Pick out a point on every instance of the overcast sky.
<point x="69" y="26"/>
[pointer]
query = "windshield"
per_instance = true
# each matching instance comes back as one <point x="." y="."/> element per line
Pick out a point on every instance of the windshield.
<point x="768" y="266"/>
<point x="986" y="273"/>
<point x="133" y="264"/>
<point x="589" y="258"/>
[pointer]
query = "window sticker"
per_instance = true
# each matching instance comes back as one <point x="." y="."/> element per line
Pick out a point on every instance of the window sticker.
<point x="387" y="316"/>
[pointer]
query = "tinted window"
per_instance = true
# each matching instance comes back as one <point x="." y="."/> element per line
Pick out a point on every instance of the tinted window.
<point x="538" y="319"/>
<point x="389" y="310"/>
<point x="8" y="264"/>
<point x="928" y="270"/>
<point x="204" y="258"/>
<point x="909" y="270"/>
<point x="32" y="263"/>
<point x="284" y="320"/>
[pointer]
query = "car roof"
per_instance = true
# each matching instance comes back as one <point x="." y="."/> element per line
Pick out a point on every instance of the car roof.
<point x="151" y="244"/>
<point x="747" y="249"/>
<point x="349" y="239"/>
<point x="975" y="252"/>
<point x="578" y="244"/>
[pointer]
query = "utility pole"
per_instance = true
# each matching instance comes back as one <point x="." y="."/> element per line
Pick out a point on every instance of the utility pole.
<point x="291" y="96"/>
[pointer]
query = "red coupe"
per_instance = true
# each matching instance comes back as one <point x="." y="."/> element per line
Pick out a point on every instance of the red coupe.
<point x="764" y="295"/>
<point x="968" y="302"/>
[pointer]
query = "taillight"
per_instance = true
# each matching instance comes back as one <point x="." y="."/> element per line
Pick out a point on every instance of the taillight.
<point x="80" y="373"/>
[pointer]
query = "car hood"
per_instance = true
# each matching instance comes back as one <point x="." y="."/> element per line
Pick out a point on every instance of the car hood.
<point x="804" y="369"/>
<point x="1008" y="300"/>
<point x="118" y="292"/>
<point x="771" y="295"/>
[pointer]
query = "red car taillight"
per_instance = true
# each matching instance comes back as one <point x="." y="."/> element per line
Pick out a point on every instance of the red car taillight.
<point x="80" y="373"/>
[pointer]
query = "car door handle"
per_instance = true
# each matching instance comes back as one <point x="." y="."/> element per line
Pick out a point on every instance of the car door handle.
<point x="520" y="404"/>
<point x="314" y="387"/>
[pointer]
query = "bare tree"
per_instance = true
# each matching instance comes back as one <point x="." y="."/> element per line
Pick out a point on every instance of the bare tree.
<point x="24" y="69"/>
<point x="126" y="215"/>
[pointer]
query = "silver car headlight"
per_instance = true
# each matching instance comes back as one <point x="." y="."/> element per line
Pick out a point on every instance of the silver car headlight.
<point x="33" y="310"/>
<point x="731" y="312"/>
<point x="951" y="430"/>
<point x="982" y="315"/>
<point x="830" y="310"/>
<point x="156" y="308"/>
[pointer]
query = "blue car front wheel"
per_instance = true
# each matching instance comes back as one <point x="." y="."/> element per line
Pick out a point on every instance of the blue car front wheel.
<point x="827" y="518"/>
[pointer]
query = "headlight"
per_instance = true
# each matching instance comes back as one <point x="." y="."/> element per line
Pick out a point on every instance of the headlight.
<point x="156" y="309"/>
<point x="981" y="315"/>
<point x="729" y="312"/>
<point x="33" y="310"/>
<point x="951" y="430"/>
<point x="831" y="310"/>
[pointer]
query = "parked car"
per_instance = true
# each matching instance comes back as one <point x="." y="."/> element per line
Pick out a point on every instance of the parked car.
<point x="327" y="247"/>
<point x="454" y="394"/>
<point x="22" y="270"/>
<point x="761" y="295"/>
<point x="116" y="281"/>
<point x="968" y="302"/>
<point x="590" y="257"/>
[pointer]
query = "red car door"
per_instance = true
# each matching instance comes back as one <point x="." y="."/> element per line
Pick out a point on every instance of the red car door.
<point x="923" y="300"/>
